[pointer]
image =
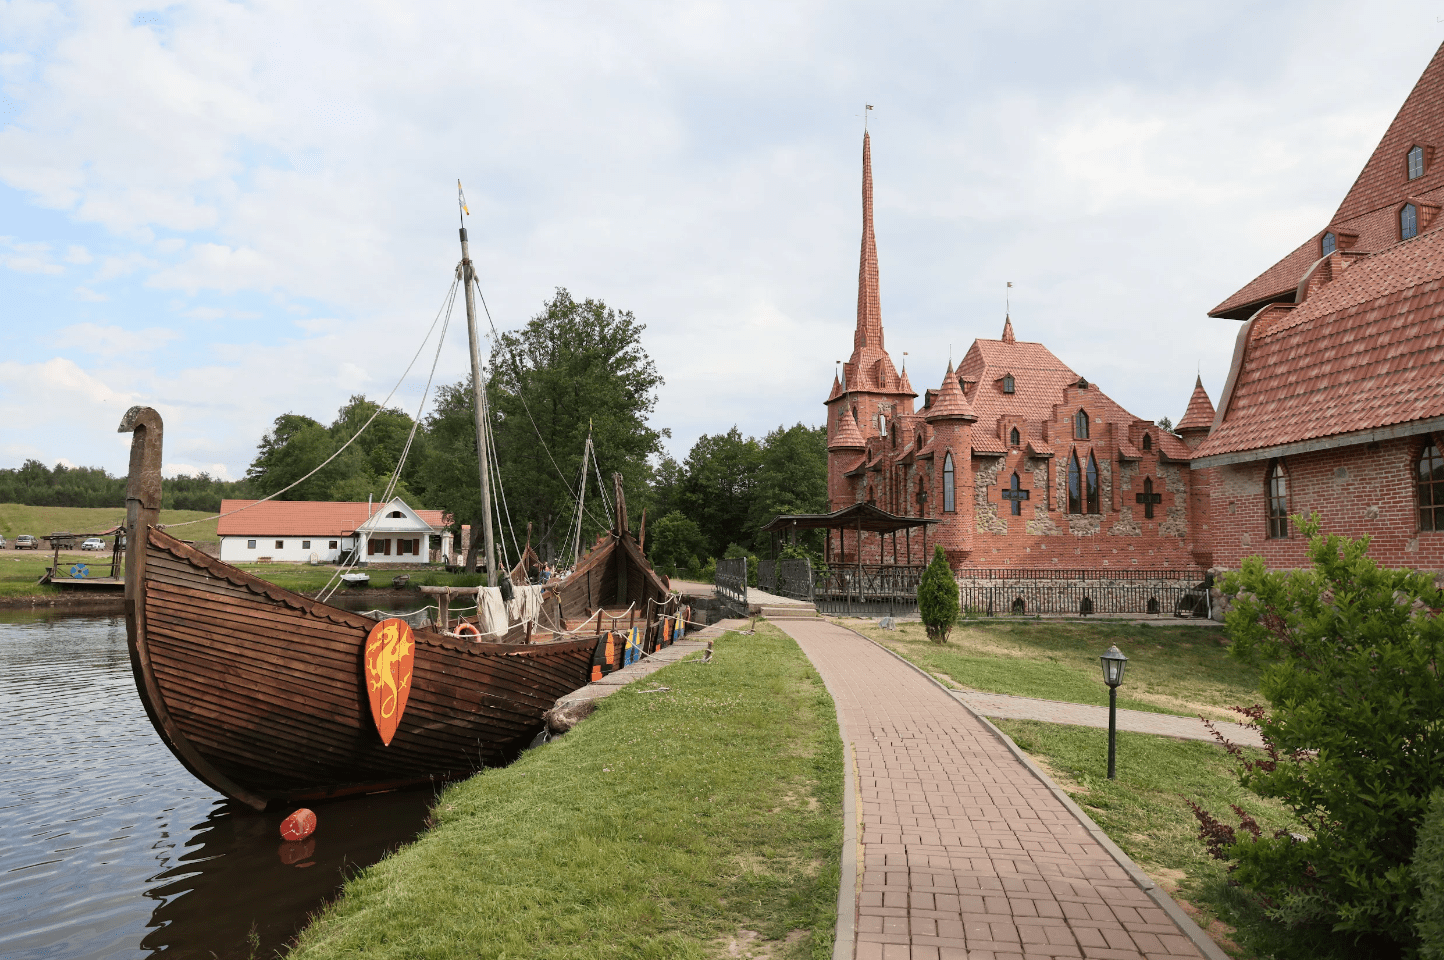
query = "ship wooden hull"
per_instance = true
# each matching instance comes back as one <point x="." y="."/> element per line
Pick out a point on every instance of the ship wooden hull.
<point x="260" y="691"/>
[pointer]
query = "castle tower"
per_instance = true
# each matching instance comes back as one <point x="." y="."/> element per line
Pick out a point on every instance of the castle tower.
<point x="951" y="418"/>
<point x="870" y="388"/>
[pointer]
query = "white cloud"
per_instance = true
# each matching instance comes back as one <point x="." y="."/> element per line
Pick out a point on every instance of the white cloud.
<point x="218" y="471"/>
<point x="694" y="163"/>
<point x="27" y="256"/>
<point x="112" y="340"/>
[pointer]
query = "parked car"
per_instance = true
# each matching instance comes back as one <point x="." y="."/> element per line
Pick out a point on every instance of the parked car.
<point x="2" y="543"/>
<point x="93" y="543"/>
<point x="26" y="542"/>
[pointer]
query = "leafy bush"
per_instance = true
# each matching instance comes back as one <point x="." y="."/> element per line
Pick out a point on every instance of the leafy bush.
<point x="1429" y="874"/>
<point x="938" y="598"/>
<point x="813" y="557"/>
<point x="1353" y="736"/>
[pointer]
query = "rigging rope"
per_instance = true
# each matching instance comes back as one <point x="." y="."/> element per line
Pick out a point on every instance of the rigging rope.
<point x="446" y="307"/>
<point x="516" y="367"/>
<point x="405" y="451"/>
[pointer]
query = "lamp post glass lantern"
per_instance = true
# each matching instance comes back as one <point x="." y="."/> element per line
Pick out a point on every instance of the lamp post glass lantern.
<point x="1114" y="663"/>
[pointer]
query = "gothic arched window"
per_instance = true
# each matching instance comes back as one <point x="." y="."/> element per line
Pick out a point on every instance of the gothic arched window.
<point x="1431" y="487"/>
<point x="1147" y="442"/>
<point x="1276" y="489"/>
<point x="1075" y="485"/>
<point x="948" y="504"/>
<point x="1080" y="425"/>
<point x="1408" y="222"/>
<point x="1016" y="499"/>
<point x="1013" y="438"/>
<point x="1093" y="485"/>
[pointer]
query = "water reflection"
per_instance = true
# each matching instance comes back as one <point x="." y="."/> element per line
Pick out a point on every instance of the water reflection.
<point x="111" y="849"/>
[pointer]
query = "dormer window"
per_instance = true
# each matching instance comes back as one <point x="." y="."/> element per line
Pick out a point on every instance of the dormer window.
<point x="1147" y="442"/>
<point x="1416" y="162"/>
<point x="1013" y="437"/>
<point x="1408" y="222"/>
<point x="1329" y="244"/>
<point x="1008" y="383"/>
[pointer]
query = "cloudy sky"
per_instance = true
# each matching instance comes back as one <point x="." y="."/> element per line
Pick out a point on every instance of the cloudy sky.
<point x="231" y="210"/>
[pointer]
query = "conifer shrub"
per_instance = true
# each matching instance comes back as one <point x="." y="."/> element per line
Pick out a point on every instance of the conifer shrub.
<point x="1353" y="735"/>
<point x="938" y="598"/>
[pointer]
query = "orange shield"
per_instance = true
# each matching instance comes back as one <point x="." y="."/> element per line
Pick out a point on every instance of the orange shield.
<point x="390" y="650"/>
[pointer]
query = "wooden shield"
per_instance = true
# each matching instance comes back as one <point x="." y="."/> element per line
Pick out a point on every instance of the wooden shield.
<point x="390" y="650"/>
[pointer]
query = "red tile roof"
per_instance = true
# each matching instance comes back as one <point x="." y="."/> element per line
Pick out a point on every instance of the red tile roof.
<point x="848" y="437"/>
<point x="1038" y="381"/>
<point x="1199" y="415"/>
<point x="299" y="518"/>
<point x="1367" y="219"/>
<point x="949" y="404"/>
<point x="1365" y="351"/>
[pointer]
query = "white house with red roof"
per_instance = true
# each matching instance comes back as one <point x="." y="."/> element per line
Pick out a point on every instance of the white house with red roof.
<point x="298" y="531"/>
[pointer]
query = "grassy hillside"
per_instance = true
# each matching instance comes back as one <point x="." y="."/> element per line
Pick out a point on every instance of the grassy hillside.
<point x="17" y="518"/>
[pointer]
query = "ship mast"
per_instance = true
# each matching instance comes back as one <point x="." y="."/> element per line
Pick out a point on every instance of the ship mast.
<point x="478" y="402"/>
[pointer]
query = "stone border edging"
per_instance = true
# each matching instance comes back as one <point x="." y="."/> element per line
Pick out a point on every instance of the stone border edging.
<point x="844" y="940"/>
<point x="1155" y="893"/>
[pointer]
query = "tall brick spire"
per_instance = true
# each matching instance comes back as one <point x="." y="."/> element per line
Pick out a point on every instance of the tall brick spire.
<point x="869" y="307"/>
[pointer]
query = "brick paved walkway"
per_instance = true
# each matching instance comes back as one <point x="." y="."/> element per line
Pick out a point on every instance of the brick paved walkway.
<point x="966" y="854"/>
<point x="1083" y="715"/>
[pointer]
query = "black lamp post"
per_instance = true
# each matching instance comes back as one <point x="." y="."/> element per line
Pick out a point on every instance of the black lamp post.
<point x="1114" y="663"/>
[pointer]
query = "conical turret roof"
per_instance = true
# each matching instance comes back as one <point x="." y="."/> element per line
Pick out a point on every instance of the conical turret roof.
<point x="1008" y="330"/>
<point x="950" y="404"/>
<point x="1200" y="413"/>
<point x="848" y="437"/>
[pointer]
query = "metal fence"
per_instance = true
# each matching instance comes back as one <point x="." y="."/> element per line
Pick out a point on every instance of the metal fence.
<point x="732" y="583"/>
<point x="1143" y="593"/>
<point x="868" y="590"/>
<point x="874" y="590"/>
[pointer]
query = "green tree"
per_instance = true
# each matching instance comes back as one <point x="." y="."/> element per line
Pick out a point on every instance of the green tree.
<point x="296" y="445"/>
<point x="1355" y="746"/>
<point x="721" y="475"/>
<point x="938" y="597"/>
<point x="791" y="478"/>
<point x="674" y="542"/>
<point x="453" y="483"/>
<point x="575" y="367"/>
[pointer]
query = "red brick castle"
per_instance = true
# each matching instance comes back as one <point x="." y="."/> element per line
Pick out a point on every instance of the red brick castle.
<point x="1025" y="463"/>
<point x="1334" y="404"/>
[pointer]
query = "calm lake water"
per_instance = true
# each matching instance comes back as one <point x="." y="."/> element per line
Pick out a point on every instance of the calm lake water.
<point x="109" y="848"/>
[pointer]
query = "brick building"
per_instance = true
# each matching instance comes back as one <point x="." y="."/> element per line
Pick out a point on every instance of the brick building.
<point x="1335" y="399"/>
<point x="1026" y="463"/>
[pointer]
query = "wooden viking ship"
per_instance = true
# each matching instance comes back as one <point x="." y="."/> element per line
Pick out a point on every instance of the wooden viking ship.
<point x="261" y="694"/>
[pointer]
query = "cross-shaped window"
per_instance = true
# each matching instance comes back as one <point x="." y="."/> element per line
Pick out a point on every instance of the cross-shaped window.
<point x="1148" y="498"/>
<point x="1016" y="495"/>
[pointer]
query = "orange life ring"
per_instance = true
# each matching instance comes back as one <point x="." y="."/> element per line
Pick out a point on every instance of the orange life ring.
<point x="467" y="627"/>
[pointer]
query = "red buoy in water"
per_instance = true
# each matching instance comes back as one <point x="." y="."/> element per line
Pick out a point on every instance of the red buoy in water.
<point x="299" y="825"/>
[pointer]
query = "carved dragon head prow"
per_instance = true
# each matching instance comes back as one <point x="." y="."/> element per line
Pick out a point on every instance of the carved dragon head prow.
<point x="145" y="449"/>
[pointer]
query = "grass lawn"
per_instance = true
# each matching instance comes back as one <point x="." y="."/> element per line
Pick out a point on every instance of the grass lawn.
<point x="1172" y="668"/>
<point x="667" y="825"/>
<point x="1144" y="813"/>
<point x="38" y="521"/>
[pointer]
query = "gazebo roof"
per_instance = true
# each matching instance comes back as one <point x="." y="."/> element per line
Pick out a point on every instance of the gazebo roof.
<point x="858" y="516"/>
